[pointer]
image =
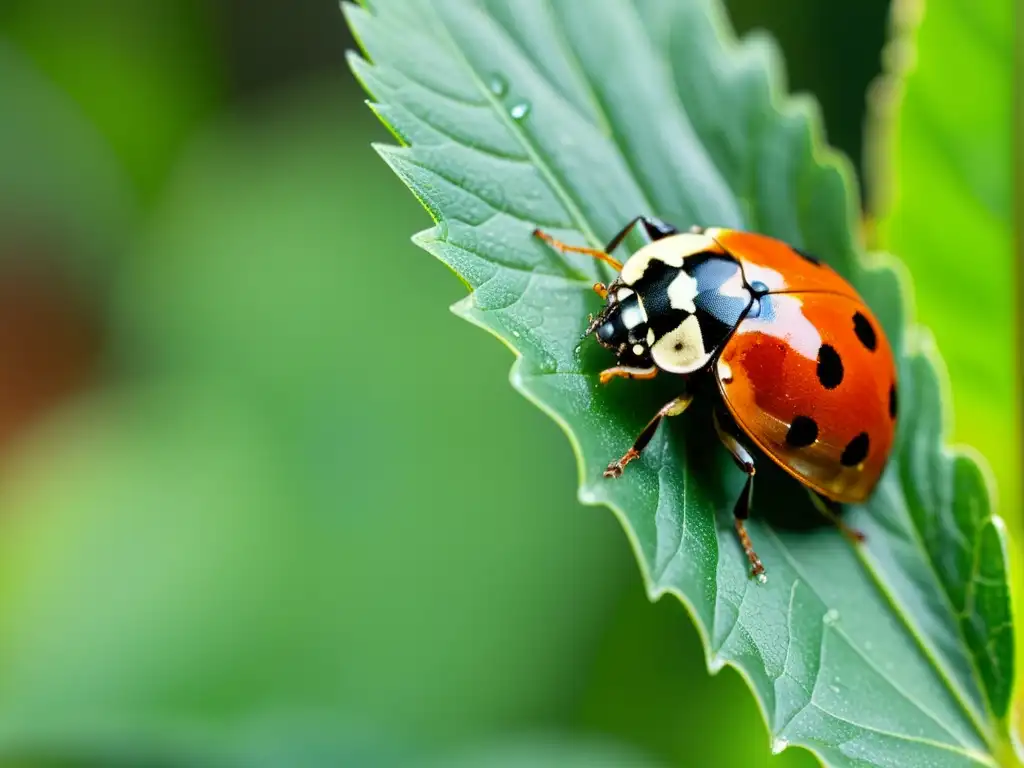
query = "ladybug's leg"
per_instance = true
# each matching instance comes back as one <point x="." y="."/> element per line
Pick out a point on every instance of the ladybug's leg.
<point x="655" y="229"/>
<point x="830" y="509"/>
<point x="628" y="372"/>
<point x="741" y="511"/>
<point x="672" y="408"/>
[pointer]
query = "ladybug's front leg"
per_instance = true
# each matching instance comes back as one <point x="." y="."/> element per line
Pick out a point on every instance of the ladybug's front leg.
<point x="672" y="408"/>
<point x="741" y="511"/>
<point x="627" y="372"/>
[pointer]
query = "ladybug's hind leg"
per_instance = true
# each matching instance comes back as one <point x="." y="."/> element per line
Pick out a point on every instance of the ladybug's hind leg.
<point x="741" y="511"/>
<point x="831" y="510"/>
<point x="673" y="408"/>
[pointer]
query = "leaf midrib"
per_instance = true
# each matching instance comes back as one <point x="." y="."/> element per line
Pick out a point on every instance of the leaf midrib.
<point x="570" y="205"/>
<point x="793" y="563"/>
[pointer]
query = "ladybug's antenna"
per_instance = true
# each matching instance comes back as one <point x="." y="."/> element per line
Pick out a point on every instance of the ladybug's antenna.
<point x="561" y="247"/>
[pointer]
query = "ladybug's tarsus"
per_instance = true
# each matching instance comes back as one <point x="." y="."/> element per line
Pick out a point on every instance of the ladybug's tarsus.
<point x="673" y="408"/>
<point x="615" y="468"/>
<point x="756" y="568"/>
<point x="831" y="510"/>
<point x="741" y="511"/>
<point x="601" y="290"/>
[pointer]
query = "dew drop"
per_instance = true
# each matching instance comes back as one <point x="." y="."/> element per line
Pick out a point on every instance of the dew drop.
<point x="834" y="688"/>
<point x="778" y="745"/>
<point x="519" y="111"/>
<point x="762" y="578"/>
<point x="516" y="334"/>
<point x="831" y="617"/>
<point x="715" y="664"/>
<point x="498" y="85"/>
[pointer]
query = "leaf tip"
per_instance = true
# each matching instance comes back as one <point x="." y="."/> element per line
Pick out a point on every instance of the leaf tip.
<point x="351" y="11"/>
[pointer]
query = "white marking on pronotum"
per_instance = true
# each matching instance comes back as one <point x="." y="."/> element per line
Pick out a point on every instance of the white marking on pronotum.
<point x="682" y="291"/>
<point x="638" y="349"/>
<point x="681" y="350"/>
<point x="650" y="336"/>
<point x="670" y="250"/>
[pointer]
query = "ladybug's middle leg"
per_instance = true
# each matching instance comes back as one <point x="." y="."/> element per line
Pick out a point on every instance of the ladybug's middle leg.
<point x="673" y="408"/>
<point x="741" y="511"/>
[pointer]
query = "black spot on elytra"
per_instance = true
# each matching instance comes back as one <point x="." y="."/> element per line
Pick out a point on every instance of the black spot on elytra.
<point x="805" y="255"/>
<point x="678" y="346"/>
<point x="830" y="367"/>
<point x="866" y="334"/>
<point x="892" y="401"/>
<point x="802" y="432"/>
<point x="856" y="450"/>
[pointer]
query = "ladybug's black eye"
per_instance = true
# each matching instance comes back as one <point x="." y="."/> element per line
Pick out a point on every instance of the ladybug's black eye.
<point x="606" y="332"/>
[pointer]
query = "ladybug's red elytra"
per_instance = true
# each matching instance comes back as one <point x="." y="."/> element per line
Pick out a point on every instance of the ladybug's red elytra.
<point x="801" y="367"/>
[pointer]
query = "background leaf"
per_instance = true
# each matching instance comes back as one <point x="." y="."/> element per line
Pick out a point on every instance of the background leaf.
<point x="940" y="168"/>
<point x="208" y="487"/>
<point x="576" y="119"/>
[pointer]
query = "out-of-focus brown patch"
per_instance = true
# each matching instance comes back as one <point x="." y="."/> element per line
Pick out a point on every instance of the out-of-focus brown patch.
<point x="51" y="336"/>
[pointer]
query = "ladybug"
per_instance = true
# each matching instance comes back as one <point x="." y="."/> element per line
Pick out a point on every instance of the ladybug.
<point x="796" y="361"/>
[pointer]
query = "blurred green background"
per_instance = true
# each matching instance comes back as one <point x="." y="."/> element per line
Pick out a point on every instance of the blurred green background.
<point x="253" y="507"/>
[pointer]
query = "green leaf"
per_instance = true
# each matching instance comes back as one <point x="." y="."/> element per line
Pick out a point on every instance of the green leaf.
<point x="576" y="117"/>
<point x="942" y="151"/>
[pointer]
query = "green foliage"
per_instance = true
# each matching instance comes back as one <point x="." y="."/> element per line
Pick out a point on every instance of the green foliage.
<point x="141" y="73"/>
<point x="59" y="181"/>
<point x="577" y="117"/>
<point x="212" y="558"/>
<point x="941" y="187"/>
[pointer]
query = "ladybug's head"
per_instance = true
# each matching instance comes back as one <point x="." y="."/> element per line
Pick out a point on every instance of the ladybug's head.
<point x="622" y="327"/>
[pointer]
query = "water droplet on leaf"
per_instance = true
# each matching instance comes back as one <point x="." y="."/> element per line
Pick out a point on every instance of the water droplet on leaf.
<point x="519" y="110"/>
<point x="498" y="85"/>
<point x="831" y="617"/>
